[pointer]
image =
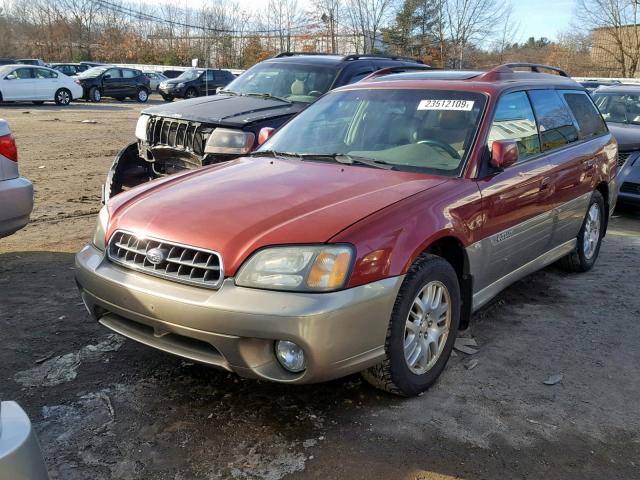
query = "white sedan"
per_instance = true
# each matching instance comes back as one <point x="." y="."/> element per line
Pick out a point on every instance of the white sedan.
<point x="26" y="83"/>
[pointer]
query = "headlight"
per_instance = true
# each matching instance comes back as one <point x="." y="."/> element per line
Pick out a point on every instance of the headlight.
<point x="101" y="229"/>
<point x="141" y="127"/>
<point x="226" y="140"/>
<point x="180" y="85"/>
<point x="163" y="84"/>
<point x="313" y="268"/>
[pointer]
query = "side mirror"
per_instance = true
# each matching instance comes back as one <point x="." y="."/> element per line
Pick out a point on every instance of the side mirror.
<point x="106" y="76"/>
<point x="265" y="134"/>
<point x="504" y="153"/>
<point x="218" y="90"/>
<point x="10" y="77"/>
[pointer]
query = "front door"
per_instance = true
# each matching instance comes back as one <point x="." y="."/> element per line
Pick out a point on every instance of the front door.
<point x="112" y="82"/>
<point x="518" y="220"/>
<point x="19" y="84"/>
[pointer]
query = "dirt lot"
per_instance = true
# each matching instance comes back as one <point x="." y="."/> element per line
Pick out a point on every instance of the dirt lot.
<point x="106" y="408"/>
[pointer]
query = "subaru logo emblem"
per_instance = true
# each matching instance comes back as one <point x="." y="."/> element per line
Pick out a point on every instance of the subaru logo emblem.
<point x="156" y="256"/>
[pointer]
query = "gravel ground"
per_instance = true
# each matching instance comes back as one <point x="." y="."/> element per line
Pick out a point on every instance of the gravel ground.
<point x="107" y="408"/>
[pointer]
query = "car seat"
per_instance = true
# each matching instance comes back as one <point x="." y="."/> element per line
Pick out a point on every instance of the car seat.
<point x="298" y="87"/>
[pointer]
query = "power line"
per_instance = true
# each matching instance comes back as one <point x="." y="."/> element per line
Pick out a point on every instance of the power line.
<point x="116" y="8"/>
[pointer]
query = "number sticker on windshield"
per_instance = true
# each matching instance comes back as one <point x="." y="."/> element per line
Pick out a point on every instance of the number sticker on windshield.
<point x="463" y="105"/>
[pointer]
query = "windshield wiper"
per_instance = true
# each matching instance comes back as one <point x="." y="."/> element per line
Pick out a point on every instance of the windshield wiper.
<point x="350" y="160"/>
<point x="229" y="92"/>
<point x="273" y="153"/>
<point x="268" y="95"/>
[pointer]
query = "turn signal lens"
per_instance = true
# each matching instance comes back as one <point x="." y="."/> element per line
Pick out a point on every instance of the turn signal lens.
<point x="330" y="269"/>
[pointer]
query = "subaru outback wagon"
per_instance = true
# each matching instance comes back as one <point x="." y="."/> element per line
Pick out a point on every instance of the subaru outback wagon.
<point x="364" y="233"/>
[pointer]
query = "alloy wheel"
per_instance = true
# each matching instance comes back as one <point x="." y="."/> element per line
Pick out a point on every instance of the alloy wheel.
<point x="64" y="97"/>
<point x="591" y="231"/>
<point x="427" y="327"/>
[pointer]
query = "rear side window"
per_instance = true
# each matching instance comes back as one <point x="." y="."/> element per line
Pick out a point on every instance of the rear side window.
<point x="129" y="74"/>
<point x="554" y="119"/>
<point x="44" y="73"/>
<point x="589" y="120"/>
<point x="514" y="120"/>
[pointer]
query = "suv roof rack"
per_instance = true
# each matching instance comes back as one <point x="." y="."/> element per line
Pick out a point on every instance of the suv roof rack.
<point x="293" y="54"/>
<point x="397" y="69"/>
<point x="508" y="69"/>
<point x="352" y="56"/>
<point x="358" y="56"/>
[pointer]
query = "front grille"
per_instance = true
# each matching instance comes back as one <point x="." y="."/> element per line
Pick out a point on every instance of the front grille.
<point x="630" y="187"/>
<point x="179" y="263"/>
<point x="178" y="134"/>
<point x="622" y="158"/>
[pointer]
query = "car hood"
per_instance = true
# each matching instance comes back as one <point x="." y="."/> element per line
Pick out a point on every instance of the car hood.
<point x="239" y="206"/>
<point x="628" y="136"/>
<point x="228" y="110"/>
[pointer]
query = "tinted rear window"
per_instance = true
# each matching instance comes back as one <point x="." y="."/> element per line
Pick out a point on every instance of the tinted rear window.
<point x="589" y="119"/>
<point x="554" y="119"/>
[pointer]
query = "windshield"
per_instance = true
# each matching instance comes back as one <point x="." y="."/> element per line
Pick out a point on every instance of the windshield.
<point x="291" y="81"/>
<point x="93" y="72"/>
<point x="189" y="75"/>
<point x="429" y="131"/>
<point x="619" y="107"/>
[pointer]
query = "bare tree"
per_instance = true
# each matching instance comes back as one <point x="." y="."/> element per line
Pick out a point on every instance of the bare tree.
<point x="507" y="34"/>
<point x="616" y="35"/>
<point x="470" y="21"/>
<point x="329" y="11"/>
<point x="366" y="17"/>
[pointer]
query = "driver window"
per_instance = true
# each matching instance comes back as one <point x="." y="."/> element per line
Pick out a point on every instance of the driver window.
<point x="514" y="120"/>
<point x="21" y="74"/>
<point x="113" y="73"/>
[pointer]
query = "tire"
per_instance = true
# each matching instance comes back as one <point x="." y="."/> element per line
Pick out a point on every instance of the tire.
<point x="397" y="373"/>
<point x="167" y="98"/>
<point x="190" y="93"/>
<point x="142" y="95"/>
<point x="589" y="240"/>
<point x="62" y="97"/>
<point x="95" y="95"/>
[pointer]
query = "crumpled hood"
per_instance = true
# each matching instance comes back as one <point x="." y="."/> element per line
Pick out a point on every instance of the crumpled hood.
<point x="242" y="205"/>
<point x="228" y="110"/>
<point x="628" y="136"/>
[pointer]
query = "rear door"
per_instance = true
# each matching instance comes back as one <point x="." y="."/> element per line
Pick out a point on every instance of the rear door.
<point x="46" y="83"/>
<point x="575" y="164"/>
<point x="129" y="79"/>
<point x="518" y="219"/>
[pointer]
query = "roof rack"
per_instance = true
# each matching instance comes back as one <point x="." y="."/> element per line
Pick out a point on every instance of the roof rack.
<point x="293" y="54"/>
<point x="358" y="56"/>
<point x="507" y="68"/>
<point x="352" y="56"/>
<point x="397" y="69"/>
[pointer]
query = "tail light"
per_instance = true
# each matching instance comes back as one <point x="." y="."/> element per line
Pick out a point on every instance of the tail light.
<point x="77" y="81"/>
<point x="8" y="147"/>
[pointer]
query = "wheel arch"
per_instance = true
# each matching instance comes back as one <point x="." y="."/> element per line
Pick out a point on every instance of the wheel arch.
<point x="603" y="188"/>
<point x="451" y="249"/>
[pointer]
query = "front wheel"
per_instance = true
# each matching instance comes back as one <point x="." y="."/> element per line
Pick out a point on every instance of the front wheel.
<point x="584" y="257"/>
<point x="422" y="330"/>
<point x="167" y="98"/>
<point x="142" y="95"/>
<point x="191" y="93"/>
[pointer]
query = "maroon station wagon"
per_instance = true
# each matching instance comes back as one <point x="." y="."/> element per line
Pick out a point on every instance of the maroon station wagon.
<point x="365" y="232"/>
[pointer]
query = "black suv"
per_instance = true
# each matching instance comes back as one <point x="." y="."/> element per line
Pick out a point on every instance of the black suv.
<point x="70" y="69"/>
<point x="116" y="82"/>
<point x="203" y="131"/>
<point x="195" y="82"/>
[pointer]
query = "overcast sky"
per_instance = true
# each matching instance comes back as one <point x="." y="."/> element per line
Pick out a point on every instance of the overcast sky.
<point x="537" y="18"/>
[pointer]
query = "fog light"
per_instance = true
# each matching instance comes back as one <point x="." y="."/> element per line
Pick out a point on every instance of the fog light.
<point x="290" y="356"/>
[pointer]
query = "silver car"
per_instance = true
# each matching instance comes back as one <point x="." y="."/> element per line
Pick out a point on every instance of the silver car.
<point x="155" y="78"/>
<point x="16" y="193"/>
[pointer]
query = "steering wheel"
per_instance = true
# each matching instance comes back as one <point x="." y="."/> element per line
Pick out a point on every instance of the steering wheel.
<point x="314" y="93"/>
<point x="444" y="146"/>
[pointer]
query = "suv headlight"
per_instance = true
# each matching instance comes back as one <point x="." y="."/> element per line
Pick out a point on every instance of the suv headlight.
<point x="180" y="85"/>
<point x="141" y="127"/>
<point x="227" y="140"/>
<point x="304" y="268"/>
<point x="101" y="229"/>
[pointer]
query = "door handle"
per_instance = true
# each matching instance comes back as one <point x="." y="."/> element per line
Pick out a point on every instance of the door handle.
<point x="545" y="183"/>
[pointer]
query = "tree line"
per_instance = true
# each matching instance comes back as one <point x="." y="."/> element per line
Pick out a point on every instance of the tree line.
<point x="443" y="33"/>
